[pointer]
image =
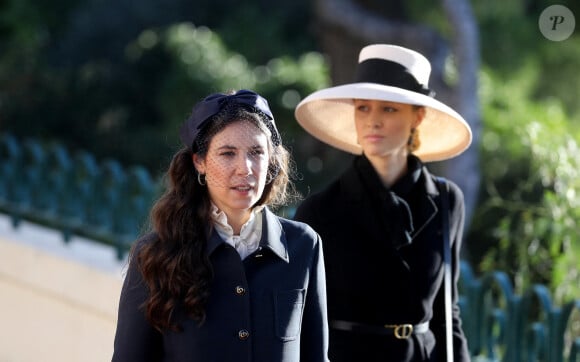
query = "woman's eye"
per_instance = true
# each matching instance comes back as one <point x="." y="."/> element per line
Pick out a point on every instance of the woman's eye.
<point x="227" y="153"/>
<point x="362" y="108"/>
<point x="256" y="152"/>
<point x="389" y="109"/>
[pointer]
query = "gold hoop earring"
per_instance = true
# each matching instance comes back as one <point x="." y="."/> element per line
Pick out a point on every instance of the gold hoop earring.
<point x="199" y="179"/>
<point x="413" y="142"/>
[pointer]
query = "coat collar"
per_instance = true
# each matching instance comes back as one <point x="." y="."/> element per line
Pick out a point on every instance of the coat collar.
<point x="351" y="183"/>
<point x="273" y="237"/>
<point x="430" y="186"/>
<point x="355" y="192"/>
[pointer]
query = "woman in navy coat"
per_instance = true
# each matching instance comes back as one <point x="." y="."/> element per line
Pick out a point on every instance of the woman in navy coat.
<point x="381" y="220"/>
<point x="220" y="277"/>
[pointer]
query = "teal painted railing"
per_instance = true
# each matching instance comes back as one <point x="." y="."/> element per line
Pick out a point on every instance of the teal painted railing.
<point x="73" y="193"/>
<point x="503" y="326"/>
<point x="77" y="195"/>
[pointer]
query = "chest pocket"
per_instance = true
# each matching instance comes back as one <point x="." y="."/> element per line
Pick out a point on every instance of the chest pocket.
<point x="288" y="308"/>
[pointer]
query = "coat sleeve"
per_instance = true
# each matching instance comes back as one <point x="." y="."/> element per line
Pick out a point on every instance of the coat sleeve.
<point x="135" y="339"/>
<point x="456" y="222"/>
<point x="314" y="330"/>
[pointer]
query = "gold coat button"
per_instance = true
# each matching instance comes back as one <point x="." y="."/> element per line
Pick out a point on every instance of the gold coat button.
<point x="240" y="290"/>
<point x="243" y="334"/>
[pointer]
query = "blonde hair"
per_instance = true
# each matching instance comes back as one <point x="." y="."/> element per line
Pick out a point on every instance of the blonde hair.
<point x="414" y="142"/>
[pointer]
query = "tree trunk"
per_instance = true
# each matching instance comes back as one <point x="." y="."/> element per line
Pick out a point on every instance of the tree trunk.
<point x="465" y="168"/>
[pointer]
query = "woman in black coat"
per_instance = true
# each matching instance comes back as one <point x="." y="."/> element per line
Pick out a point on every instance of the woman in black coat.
<point x="381" y="222"/>
<point x="220" y="277"/>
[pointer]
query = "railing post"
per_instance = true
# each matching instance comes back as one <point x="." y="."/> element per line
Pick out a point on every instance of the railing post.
<point x="74" y="207"/>
<point x="133" y="208"/>
<point x="57" y="172"/>
<point x="563" y="320"/>
<point x="10" y="166"/>
<point x="33" y="158"/>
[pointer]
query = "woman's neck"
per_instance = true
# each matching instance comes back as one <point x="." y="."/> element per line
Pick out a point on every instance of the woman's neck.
<point x="237" y="221"/>
<point x="390" y="168"/>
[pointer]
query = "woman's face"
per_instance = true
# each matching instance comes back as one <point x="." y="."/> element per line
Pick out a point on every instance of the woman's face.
<point x="235" y="167"/>
<point x="383" y="128"/>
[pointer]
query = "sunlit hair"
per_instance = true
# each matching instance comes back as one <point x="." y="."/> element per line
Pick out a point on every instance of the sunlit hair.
<point x="174" y="264"/>
<point x="414" y="141"/>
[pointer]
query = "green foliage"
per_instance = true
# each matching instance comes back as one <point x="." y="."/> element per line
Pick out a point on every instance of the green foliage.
<point x="198" y="62"/>
<point x="531" y="187"/>
<point x="559" y="77"/>
<point x="266" y="29"/>
<point x="510" y="36"/>
<point x="100" y="79"/>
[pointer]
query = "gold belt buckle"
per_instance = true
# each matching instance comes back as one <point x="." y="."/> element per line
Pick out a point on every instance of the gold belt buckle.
<point x="401" y="331"/>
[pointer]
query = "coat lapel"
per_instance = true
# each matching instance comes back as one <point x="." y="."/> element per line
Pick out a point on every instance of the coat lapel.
<point x="273" y="236"/>
<point x="426" y="214"/>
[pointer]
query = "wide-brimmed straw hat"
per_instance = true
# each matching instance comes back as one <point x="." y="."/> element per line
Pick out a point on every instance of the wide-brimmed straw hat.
<point x="388" y="73"/>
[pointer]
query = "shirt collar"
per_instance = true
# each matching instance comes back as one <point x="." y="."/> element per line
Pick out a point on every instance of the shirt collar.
<point x="273" y="237"/>
<point x="248" y="240"/>
<point x="220" y="220"/>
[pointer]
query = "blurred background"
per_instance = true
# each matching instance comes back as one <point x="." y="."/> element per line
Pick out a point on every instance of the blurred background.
<point x="114" y="79"/>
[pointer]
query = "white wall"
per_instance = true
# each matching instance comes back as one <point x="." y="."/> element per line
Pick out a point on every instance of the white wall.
<point x="58" y="302"/>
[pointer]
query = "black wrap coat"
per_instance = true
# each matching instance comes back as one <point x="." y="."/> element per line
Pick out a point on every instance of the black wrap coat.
<point x="384" y="264"/>
<point x="269" y="307"/>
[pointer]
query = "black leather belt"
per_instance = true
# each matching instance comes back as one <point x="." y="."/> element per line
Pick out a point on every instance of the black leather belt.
<point x="400" y="331"/>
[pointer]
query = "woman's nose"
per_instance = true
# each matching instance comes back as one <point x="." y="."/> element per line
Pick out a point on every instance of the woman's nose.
<point x="244" y="166"/>
<point x="374" y="122"/>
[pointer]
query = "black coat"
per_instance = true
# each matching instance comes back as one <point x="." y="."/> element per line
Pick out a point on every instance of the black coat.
<point x="269" y="307"/>
<point x="384" y="265"/>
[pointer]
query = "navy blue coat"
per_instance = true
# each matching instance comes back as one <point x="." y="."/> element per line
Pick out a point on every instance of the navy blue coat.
<point x="373" y="282"/>
<point x="269" y="307"/>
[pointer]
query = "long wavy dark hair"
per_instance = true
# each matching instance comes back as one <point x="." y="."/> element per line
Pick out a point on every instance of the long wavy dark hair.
<point x="174" y="263"/>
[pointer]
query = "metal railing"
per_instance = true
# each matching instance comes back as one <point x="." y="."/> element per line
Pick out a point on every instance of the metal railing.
<point x="75" y="194"/>
<point x="503" y="326"/>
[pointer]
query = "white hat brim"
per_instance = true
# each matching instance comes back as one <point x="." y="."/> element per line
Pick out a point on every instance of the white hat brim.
<point x="328" y="115"/>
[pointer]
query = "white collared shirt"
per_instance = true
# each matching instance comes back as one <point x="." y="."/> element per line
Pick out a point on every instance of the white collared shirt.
<point x="249" y="239"/>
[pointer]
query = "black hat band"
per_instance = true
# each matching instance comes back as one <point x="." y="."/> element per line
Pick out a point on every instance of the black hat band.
<point x="389" y="73"/>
